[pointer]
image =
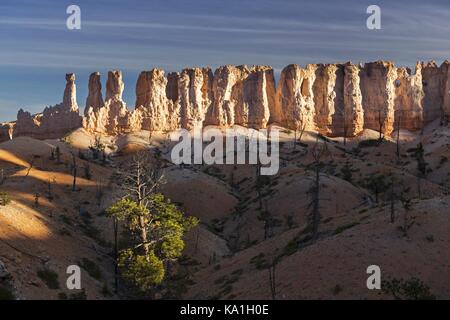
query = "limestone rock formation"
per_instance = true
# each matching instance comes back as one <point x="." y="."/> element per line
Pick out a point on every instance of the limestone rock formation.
<point x="328" y="90"/>
<point x="222" y="110"/>
<point x="258" y="97"/>
<point x="408" y="99"/>
<point x="352" y="122"/>
<point x="113" y="116"/>
<point x="295" y="98"/>
<point x="378" y="91"/>
<point x="54" y="121"/>
<point x="334" y="99"/>
<point x="445" y="69"/>
<point x="435" y="80"/>
<point x="6" y="131"/>
<point x="151" y="100"/>
<point x="242" y="95"/>
<point x="95" y="98"/>
<point x="194" y="96"/>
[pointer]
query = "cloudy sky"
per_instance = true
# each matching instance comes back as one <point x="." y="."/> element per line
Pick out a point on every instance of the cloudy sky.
<point x="134" y="35"/>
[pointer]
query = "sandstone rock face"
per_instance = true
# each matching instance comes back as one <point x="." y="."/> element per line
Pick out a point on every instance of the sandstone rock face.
<point x="328" y="89"/>
<point x="445" y="67"/>
<point x="295" y="98"/>
<point x="352" y="122"/>
<point x="408" y="99"/>
<point x="334" y="99"/>
<point x="151" y="100"/>
<point x="95" y="98"/>
<point x="54" y="121"/>
<point x="435" y="81"/>
<point x="113" y="117"/>
<point x="70" y="94"/>
<point x="258" y="97"/>
<point x="194" y="96"/>
<point x="114" y="86"/>
<point x="242" y="95"/>
<point x="226" y="92"/>
<point x="6" y="131"/>
<point x="378" y="91"/>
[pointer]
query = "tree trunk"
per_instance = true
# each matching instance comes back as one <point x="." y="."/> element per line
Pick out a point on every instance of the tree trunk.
<point x="116" y="256"/>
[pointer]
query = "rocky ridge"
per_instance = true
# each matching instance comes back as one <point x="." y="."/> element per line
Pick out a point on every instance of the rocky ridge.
<point x="333" y="99"/>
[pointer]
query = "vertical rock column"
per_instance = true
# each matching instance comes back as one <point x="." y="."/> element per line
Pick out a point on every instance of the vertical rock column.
<point x="70" y="94"/>
<point x="328" y="89"/>
<point x="295" y="98"/>
<point x="353" y="113"/>
<point x="222" y="110"/>
<point x="408" y="99"/>
<point x="432" y="87"/>
<point x="95" y="98"/>
<point x="113" y="117"/>
<point x="378" y="91"/>
<point x="445" y="67"/>
<point x="194" y="96"/>
<point x="151" y="100"/>
<point x="258" y="97"/>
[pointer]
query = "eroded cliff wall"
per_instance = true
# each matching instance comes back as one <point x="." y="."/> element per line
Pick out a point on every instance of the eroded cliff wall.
<point x="334" y="99"/>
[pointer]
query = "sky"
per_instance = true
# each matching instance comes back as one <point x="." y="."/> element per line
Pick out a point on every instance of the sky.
<point x="37" y="49"/>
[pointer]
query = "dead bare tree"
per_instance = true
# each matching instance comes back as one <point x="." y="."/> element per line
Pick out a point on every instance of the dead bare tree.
<point x="99" y="191"/>
<point x="299" y="124"/>
<point x="319" y="152"/>
<point x="50" y="183"/>
<point x="381" y="120"/>
<point x="74" y="169"/>
<point x="58" y="155"/>
<point x="36" y="199"/>
<point x="392" y="199"/>
<point x="31" y="165"/>
<point x="407" y="221"/>
<point x="140" y="179"/>
<point x="87" y="171"/>
<point x="272" y="279"/>
<point x="421" y="167"/>
<point x="2" y="176"/>
<point x="399" y="120"/>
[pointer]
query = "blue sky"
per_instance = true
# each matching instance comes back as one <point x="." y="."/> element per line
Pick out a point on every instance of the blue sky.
<point x="134" y="35"/>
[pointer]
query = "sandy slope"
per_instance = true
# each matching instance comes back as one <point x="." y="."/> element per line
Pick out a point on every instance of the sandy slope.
<point x="237" y="222"/>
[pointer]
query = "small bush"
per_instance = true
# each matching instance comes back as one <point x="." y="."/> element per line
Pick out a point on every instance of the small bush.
<point x="369" y="143"/>
<point x="345" y="227"/>
<point x="336" y="290"/>
<point x="49" y="277"/>
<point x="259" y="261"/>
<point x="412" y="289"/>
<point x="92" y="268"/>
<point x="78" y="296"/>
<point x="105" y="291"/>
<point x="4" y="199"/>
<point x="6" y="293"/>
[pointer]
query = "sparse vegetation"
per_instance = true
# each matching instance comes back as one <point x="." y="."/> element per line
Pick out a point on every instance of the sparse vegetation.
<point x="49" y="277"/>
<point x="4" y="198"/>
<point x="344" y="227"/>
<point x="92" y="268"/>
<point x="97" y="148"/>
<point x="412" y="289"/>
<point x="369" y="143"/>
<point x="6" y="293"/>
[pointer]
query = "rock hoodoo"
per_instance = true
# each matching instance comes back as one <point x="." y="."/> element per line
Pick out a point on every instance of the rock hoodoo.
<point x="54" y="121"/>
<point x="334" y="99"/>
<point x="95" y="98"/>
